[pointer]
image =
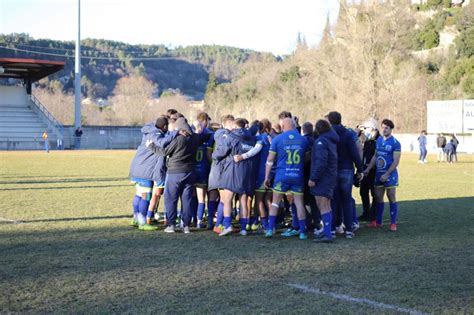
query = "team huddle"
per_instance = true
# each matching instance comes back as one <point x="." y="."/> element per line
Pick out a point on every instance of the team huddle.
<point x="259" y="175"/>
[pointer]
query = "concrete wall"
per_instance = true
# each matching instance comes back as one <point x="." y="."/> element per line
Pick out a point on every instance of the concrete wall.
<point x="104" y="137"/>
<point x="12" y="95"/>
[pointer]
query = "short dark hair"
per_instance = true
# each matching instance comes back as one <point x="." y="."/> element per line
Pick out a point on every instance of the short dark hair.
<point x="241" y="122"/>
<point x="388" y="123"/>
<point x="203" y="116"/>
<point x="265" y="126"/>
<point x="322" y="126"/>
<point x="423" y="131"/>
<point x="334" y="118"/>
<point x="284" y="114"/>
<point x="175" y="117"/>
<point x="226" y="118"/>
<point x="170" y="112"/>
<point x="307" y="128"/>
<point x="161" y="122"/>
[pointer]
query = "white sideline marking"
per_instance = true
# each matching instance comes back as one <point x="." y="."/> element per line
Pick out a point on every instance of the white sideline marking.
<point x="349" y="298"/>
<point x="11" y="221"/>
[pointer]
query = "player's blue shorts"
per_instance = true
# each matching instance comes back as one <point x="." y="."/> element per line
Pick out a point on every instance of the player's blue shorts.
<point x="392" y="180"/>
<point x="283" y="187"/>
<point x="202" y="178"/>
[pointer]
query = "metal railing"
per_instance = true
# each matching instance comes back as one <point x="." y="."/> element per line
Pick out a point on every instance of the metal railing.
<point x="49" y="116"/>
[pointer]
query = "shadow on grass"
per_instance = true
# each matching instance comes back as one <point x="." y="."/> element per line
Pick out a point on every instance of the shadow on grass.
<point x="425" y="265"/>
<point x="62" y="187"/>
<point x="107" y="217"/>
<point x="64" y="180"/>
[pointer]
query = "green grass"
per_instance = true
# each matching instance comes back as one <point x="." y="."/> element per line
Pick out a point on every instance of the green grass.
<point x="75" y="253"/>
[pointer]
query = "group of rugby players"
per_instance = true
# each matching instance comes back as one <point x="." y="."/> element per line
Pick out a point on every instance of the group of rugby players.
<point x="260" y="175"/>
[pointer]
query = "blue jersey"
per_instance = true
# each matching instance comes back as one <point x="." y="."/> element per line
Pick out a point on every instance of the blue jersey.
<point x="385" y="150"/>
<point x="290" y="148"/>
<point x="203" y="163"/>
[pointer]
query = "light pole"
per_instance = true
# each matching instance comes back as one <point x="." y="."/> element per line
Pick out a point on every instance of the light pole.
<point x="77" y="75"/>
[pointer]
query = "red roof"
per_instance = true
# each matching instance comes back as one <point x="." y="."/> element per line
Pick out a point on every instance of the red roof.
<point x="29" y="69"/>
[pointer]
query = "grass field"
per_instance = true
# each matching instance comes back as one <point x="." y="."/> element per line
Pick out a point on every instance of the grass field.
<point x="75" y="253"/>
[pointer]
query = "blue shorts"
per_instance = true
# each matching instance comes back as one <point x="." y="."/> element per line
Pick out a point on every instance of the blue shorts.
<point x="392" y="180"/>
<point x="142" y="182"/>
<point x="202" y="179"/>
<point x="282" y="187"/>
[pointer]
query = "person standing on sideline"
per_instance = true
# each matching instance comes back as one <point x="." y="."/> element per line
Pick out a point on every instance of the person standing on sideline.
<point x="367" y="188"/>
<point x="455" y="142"/>
<point x="46" y="141"/>
<point x="423" y="151"/>
<point x="441" y="143"/>
<point x="77" y="138"/>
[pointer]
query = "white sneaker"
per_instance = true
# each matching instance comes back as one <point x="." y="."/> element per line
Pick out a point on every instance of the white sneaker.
<point x="169" y="229"/>
<point x="355" y="226"/>
<point x="320" y="231"/>
<point x="226" y="231"/>
<point x="243" y="232"/>
<point x="186" y="230"/>
<point x="340" y="229"/>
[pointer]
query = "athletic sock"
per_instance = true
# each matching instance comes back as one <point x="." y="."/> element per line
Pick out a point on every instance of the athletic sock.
<point x="227" y="222"/>
<point x="294" y="217"/>
<point x="264" y="223"/>
<point x="220" y="214"/>
<point x="135" y="203"/>
<point x="380" y="206"/>
<point x="272" y="222"/>
<point x="302" y="224"/>
<point x="327" y="224"/>
<point x="211" y="209"/>
<point x="143" y="209"/>
<point x="243" y="223"/>
<point x="393" y="212"/>
<point x="200" y="211"/>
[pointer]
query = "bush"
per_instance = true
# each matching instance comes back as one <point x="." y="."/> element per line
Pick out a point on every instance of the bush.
<point x="465" y="43"/>
<point x="468" y="85"/>
<point x="430" y="39"/>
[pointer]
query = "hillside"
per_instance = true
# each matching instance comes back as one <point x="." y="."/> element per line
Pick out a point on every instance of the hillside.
<point x="104" y="62"/>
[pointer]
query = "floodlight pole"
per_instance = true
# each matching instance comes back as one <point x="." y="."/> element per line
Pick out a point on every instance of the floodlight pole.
<point x="77" y="74"/>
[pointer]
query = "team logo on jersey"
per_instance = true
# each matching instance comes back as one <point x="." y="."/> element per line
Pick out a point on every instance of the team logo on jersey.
<point x="381" y="163"/>
<point x="388" y="147"/>
<point x="291" y="136"/>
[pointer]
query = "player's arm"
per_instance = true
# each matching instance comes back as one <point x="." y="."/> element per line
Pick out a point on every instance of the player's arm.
<point x="167" y="151"/>
<point x="162" y="142"/>
<point x="221" y="151"/>
<point x="251" y="153"/>
<point x="268" y="167"/>
<point x="355" y="155"/>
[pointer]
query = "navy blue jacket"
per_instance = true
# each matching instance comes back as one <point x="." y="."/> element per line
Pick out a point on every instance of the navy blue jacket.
<point x="236" y="177"/>
<point x="146" y="164"/>
<point x="347" y="152"/>
<point x="216" y="166"/>
<point x="324" y="159"/>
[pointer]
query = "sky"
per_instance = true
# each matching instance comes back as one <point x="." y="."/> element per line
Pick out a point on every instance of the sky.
<point x="262" y="25"/>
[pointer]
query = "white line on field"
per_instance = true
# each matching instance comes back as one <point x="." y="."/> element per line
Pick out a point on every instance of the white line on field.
<point x="10" y="221"/>
<point x="349" y="298"/>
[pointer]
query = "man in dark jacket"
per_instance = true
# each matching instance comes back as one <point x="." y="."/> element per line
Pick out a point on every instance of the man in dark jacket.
<point x="323" y="175"/>
<point x="236" y="177"/>
<point x="307" y="131"/>
<point x="367" y="183"/>
<point x="180" y="180"/>
<point x="348" y="154"/>
<point x="148" y="170"/>
<point x="441" y="143"/>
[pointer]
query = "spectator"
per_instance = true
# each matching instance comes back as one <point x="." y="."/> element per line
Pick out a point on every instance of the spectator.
<point x="449" y="151"/>
<point x="46" y="141"/>
<point x="367" y="188"/>
<point x="77" y="138"/>
<point x="423" y="152"/>
<point x="59" y="143"/>
<point x="455" y="142"/>
<point x="441" y="143"/>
